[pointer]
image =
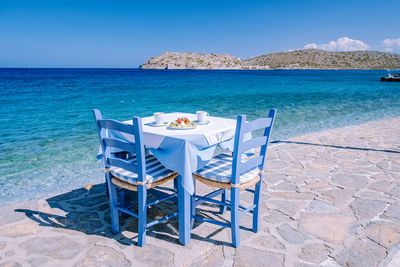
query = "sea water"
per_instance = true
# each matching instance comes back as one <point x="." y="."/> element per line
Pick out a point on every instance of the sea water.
<point x="48" y="139"/>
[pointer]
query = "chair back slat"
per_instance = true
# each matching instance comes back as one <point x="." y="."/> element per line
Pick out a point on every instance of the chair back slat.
<point x="257" y="124"/>
<point x="250" y="164"/>
<point x="116" y="126"/>
<point x="241" y="146"/>
<point x="252" y="143"/>
<point x="123" y="164"/>
<point x="117" y="143"/>
<point x="136" y="147"/>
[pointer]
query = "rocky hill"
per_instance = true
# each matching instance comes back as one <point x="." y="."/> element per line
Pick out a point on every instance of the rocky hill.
<point x="320" y="59"/>
<point x="180" y="60"/>
<point x="298" y="59"/>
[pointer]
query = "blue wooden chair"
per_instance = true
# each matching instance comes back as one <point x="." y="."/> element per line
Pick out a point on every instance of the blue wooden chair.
<point x="139" y="172"/>
<point x="230" y="172"/>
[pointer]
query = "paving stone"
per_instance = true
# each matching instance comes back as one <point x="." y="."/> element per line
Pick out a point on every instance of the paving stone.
<point x="19" y="230"/>
<point x="246" y="256"/>
<point x="317" y="184"/>
<point x="16" y="212"/>
<point x="314" y="253"/>
<point x="384" y="233"/>
<point x="366" y="209"/>
<point x="319" y="206"/>
<point x="395" y="191"/>
<point x="381" y="186"/>
<point x="392" y="212"/>
<point x="103" y="256"/>
<point x="268" y="242"/>
<point x="273" y="178"/>
<point x="84" y="221"/>
<point x="291" y="235"/>
<point x="288" y="207"/>
<point x="37" y="261"/>
<point x="350" y="180"/>
<point x="154" y="256"/>
<point x="90" y="201"/>
<point x="285" y="186"/>
<point x="330" y="227"/>
<point x="338" y="196"/>
<point x="11" y="264"/>
<point x="9" y="253"/>
<point x="214" y="259"/>
<point x="293" y="195"/>
<point x="275" y="216"/>
<point x="54" y="247"/>
<point x="361" y="253"/>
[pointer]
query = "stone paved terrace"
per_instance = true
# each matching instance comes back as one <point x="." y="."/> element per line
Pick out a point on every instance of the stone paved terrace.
<point x="329" y="199"/>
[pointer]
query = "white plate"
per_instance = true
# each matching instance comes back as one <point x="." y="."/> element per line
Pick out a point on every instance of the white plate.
<point x="176" y="128"/>
<point x="153" y="124"/>
<point x="202" y="123"/>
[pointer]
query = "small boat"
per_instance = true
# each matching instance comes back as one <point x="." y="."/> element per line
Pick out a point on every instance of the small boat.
<point x="392" y="77"/>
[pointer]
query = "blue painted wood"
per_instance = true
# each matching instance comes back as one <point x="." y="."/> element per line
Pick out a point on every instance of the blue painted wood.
<point x="235" y="199"/>
<point x="125" y="146"/>
<point x="247" y="210"/>
<point x="113" y="205"/>
<point x="97" y="116"/>
<point x="192" y="205"/>
<point x="116" y="126"/>
<point x="120" y="163"/>
<point x="209" y="195"/>
<point x="207" y="199"/>
<point x="250" y="164"/>
<point x="129" y="212"/>
<point x="142" y="211"/>
<point x="212" y="221"/>
<point x="184" y="209"/>
<point x="222" y="208"/>
<point x="161" y="199"/>
<point x="257" y="124"/>
<point x="162" y="219"/>
<point x="252" y="143"/>
<point x="238" y="168"/>
<point x="112" y="160"/>
<point x="256" y="203"/>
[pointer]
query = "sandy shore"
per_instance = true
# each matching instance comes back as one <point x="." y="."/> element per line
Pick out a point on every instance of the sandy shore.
<point x="330" y="198"/>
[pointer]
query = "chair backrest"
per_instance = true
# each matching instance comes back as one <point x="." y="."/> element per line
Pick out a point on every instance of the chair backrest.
<point x="135" y="148"/>
<point x="241" y="145"/>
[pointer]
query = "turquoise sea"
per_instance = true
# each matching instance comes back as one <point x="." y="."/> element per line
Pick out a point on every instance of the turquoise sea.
<point x="48" y="140"/>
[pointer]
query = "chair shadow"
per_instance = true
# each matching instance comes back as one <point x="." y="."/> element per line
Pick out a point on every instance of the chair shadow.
<point x="86" y="210"/>
<point x="335" y="146"/>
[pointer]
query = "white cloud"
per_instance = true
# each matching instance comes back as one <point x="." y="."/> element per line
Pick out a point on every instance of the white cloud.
<point x="341" y="44"/>
<point x="391" y="45"/>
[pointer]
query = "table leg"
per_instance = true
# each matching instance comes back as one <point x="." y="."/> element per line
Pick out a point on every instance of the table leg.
<point x="184" y="209"/>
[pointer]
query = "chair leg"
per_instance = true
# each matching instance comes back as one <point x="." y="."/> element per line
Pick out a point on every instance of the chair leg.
<point x="142" y="214"/>
<point x="257" y="204"/>
<point x="222" y="209"/>
<point x="192" y="205"/>
<point x="107" y="187"/>
<point x="122" y="201"/>
<point x="235" y="217"/>
<point x="176" y="185"/>
<point x="113" y="205"/>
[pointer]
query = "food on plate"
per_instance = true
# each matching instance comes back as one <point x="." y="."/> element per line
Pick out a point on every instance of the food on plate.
<point x="182" y="123"/>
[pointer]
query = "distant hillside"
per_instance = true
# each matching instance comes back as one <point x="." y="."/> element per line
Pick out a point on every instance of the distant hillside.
<point x="181" y="60"/>
<point x="320" y="59"/>
<point x="298" y="59"/>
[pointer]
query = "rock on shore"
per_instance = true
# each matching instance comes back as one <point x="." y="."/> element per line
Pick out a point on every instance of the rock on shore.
<point x="181" y="60"/>
<point x="298" y="59"/>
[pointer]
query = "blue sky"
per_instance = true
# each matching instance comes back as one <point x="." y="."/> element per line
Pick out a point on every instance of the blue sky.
<point x="117" y="33"/>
